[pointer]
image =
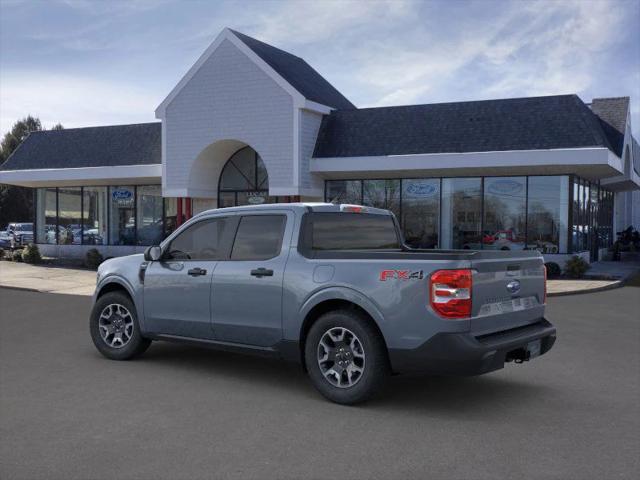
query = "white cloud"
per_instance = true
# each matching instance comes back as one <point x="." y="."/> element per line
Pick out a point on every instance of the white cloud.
<point x="532" y="48"/>
<point x="376" y="52"/>
<point x="306" y="22"/>
<point x="73" y="101"/>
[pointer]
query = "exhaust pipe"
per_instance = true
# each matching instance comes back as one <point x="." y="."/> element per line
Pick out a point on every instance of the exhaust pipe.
<point x="518" y="355"/>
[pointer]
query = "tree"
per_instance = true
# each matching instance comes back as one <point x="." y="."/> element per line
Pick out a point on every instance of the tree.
<point x="16" y="203"/>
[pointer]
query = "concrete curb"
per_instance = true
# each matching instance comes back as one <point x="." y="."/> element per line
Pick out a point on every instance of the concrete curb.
<point x="54" y="292"/>
<point x="25" y="289"/>
<point x="617" y="284"/>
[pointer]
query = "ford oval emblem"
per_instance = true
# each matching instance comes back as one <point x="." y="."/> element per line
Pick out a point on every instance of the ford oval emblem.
<point x="513" y="287"/>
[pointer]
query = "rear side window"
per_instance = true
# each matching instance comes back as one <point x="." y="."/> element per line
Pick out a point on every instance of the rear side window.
<point x="353" y="231"/>
<point x="259" y="237"/>
<point x="204" y="240"/>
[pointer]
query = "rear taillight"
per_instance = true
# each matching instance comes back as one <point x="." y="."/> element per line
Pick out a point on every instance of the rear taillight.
<point x="450" y="293"/>
<point x="544" y="298"/>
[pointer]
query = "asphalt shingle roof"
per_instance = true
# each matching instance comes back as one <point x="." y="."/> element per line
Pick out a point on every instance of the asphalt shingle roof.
<point x="298" y="73"/>
<point x="109" y="146"/>
<point x="533" y="123"/>
<point x="613" y="116"/>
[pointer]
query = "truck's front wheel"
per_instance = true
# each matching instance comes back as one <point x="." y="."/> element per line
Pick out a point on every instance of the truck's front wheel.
<point x="114" y="327"/>
<point x="345" y="357"/>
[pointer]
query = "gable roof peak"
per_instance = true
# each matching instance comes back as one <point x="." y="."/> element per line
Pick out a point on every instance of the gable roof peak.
<point x="292" y="73"/>
<point x="297" y="73"/>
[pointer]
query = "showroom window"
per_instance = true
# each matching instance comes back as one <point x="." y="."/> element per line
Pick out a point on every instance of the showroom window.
<point x="547" y="212"/>
<point x="122" y="218"/>
<point x="119" y="215"/>
<point x="504" y="222"/>
<point x="344" y="191"/>
<point x="170" y="215"/>
<point x="504" y="213"/>
<point x="46" y="215"/>
<point x="382" y="194"/>
<point x="461" y="213"/>
<point x="421" y="212"/>
<point x="149" y="215"/>
<point x="69" y="216"/>
<point x="94" y="208"/>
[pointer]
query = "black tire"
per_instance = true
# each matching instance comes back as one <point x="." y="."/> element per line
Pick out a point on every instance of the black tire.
<point x="136" y="345"/>
<point x="376" y="366"/>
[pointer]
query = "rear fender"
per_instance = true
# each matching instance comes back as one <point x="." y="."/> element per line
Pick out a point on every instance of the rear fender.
<point x="341" y="293"/>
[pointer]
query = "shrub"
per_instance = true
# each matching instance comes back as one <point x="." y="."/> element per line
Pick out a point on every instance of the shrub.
<point x="15" y="256"/>
<point x="1" y="254"/>
<point x="553" y="270"/>
<point x="576" y="267"/>
<point x="93" y="259"/>
<point x="31" y="254"/>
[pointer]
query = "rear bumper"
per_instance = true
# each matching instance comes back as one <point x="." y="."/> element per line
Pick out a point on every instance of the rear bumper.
<point x="466" y="354"/>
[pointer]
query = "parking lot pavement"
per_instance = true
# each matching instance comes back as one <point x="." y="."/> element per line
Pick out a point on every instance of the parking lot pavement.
<point x="184" y="412"/>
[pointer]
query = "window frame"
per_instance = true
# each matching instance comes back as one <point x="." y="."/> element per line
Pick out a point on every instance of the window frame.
<point x="283" y="232"/>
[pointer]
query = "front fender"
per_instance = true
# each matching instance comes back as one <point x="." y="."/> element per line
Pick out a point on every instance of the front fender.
<point x="112" y="278"/>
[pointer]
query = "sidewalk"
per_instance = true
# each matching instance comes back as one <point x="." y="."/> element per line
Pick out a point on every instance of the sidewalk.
<point x="47" y="279"/>
<point x="601" y="276"/>
<point x="557" y="288"/>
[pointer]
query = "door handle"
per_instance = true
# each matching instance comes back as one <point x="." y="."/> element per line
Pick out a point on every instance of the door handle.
<point x="262" y="272"/>
<point x="194" y="272"/>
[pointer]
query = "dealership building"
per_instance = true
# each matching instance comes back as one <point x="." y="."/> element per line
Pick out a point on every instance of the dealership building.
<point x="251" y="124"/>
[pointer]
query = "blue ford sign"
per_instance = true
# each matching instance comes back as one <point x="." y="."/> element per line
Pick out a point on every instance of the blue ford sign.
<point x="505" y="187"/>
<point x="422" y="189"/>
<point x="121" y="194"/>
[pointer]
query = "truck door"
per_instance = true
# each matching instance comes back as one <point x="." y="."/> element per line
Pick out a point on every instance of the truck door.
<point x="247" y="289"/>
<point x="177" y="289"/>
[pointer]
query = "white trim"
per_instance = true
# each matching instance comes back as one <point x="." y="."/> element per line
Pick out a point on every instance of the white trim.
<point x="174" y="192"/>
<point x="163" y="152"/>
<point x="137" y="174"/>
<point x="297" y="113"/>
<point x="458" y="161"/>
<point x="227" y="34"/>
<point x="316" y="107"/>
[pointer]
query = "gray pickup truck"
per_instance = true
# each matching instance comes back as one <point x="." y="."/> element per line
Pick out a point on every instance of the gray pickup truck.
<point x="332" y="287"/>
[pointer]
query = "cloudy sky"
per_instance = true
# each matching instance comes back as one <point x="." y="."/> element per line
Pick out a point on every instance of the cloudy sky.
<point x="83" y="63"/>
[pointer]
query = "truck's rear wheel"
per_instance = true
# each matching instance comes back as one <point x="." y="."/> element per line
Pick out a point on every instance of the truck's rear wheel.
<point x="114" y="327"/>
<point x="346" y="357"/>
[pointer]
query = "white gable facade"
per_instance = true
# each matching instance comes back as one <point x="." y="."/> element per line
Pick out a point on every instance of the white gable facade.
<point x="231" y="99"/>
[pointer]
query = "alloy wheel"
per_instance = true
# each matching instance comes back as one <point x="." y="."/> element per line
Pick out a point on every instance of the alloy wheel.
<point x="116" y="325"/>
<point x="341" y="357"/>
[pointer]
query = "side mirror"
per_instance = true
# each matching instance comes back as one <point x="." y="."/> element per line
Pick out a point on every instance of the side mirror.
<point x="153" y="254"/>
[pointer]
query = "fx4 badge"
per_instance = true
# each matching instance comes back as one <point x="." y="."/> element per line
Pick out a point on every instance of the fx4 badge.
<point x="400" y="275"/>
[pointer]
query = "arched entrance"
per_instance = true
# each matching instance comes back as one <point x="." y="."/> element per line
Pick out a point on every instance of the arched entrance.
<point x="244" y="180"/>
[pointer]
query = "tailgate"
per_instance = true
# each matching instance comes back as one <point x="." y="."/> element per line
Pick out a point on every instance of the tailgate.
<point x="508" y="290"/>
